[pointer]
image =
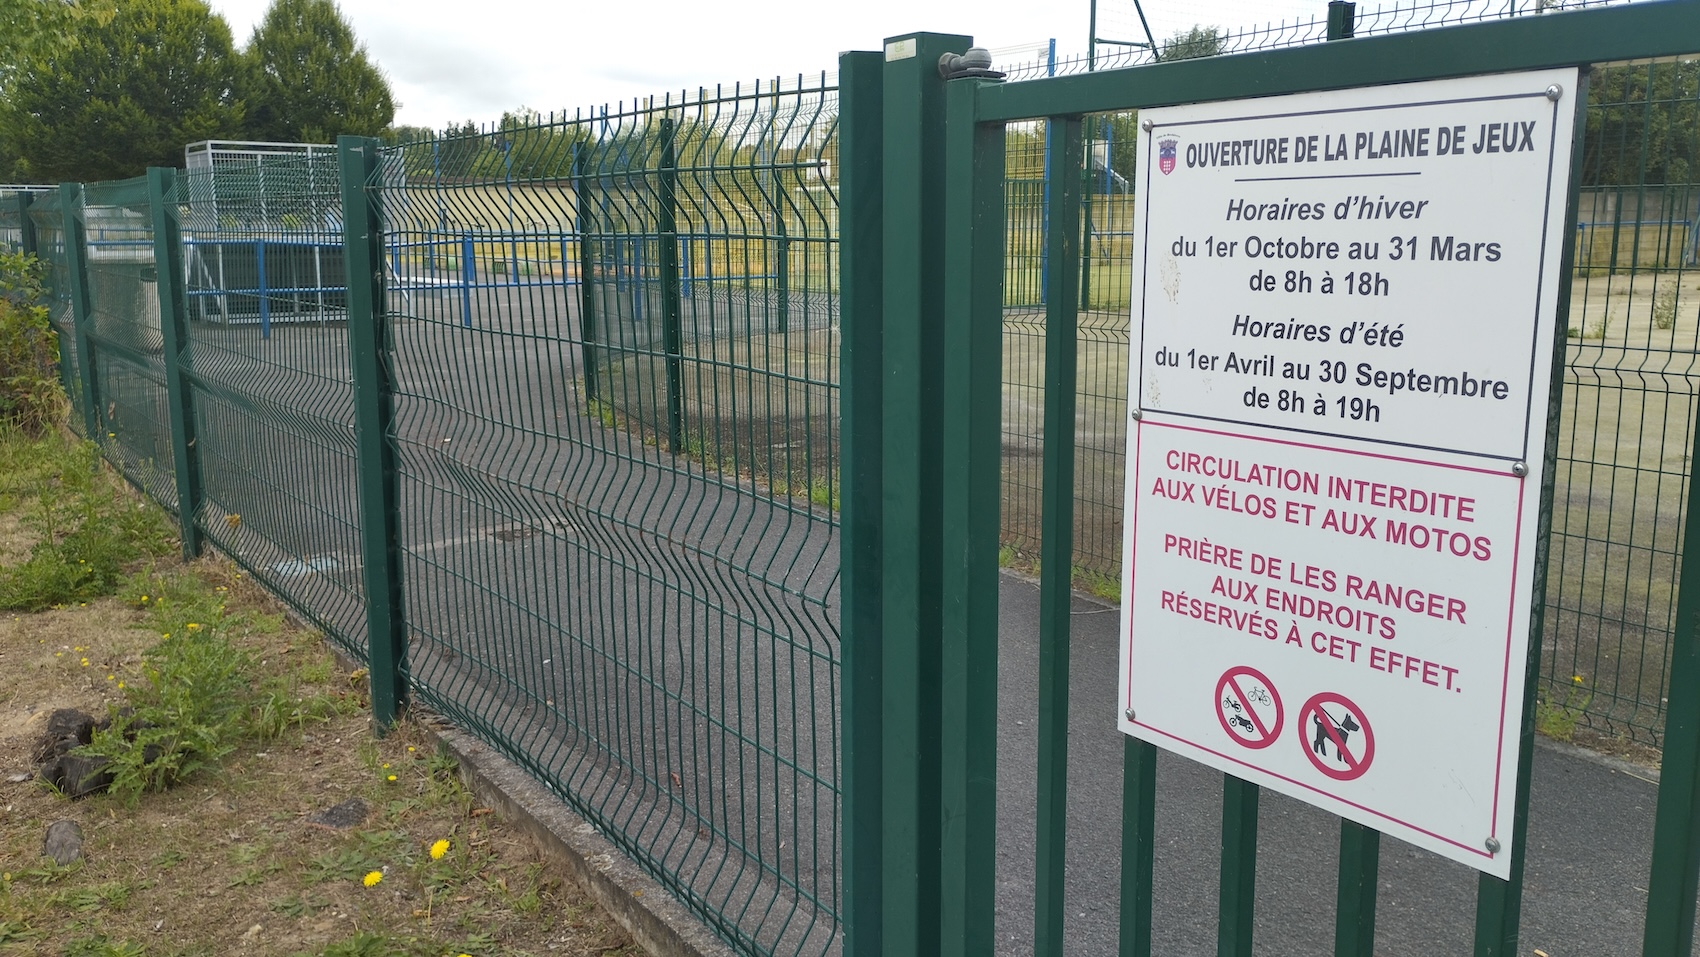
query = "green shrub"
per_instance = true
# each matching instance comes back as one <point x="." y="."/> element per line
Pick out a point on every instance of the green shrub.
<point x="31" y="398"/>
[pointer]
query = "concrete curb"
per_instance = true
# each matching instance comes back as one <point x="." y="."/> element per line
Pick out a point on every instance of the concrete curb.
<point x="649" y="912"/>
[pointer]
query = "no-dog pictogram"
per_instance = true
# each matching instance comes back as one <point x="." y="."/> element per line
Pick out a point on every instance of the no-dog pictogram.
<point x="1336" y="736"/>
<point x="1248" y="707"/>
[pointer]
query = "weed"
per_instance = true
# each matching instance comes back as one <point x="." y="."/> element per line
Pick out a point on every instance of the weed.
<point x="110" y="895"/>
<point x="185" y="715"/>
<point x="299" y="905"/>
<point x="47" y="872"/>
<point x="31" y="399"/>
<point x="1664" y="305"/>
<point x="85" y="534"/>
<point x="100" y="945"/>
<point x="169" y="859"/>
<point x="602" y="412"/>
<point x="252" y="876"/>
<point x="341" y="864"/>
<point x="1097" y="583"/>
<point x="1559" y="709"/>
<point x="365" y="945"/>
<point x="16" y="932"/>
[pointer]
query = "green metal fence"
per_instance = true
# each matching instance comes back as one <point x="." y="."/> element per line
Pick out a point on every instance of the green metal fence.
<point x="564" y="461"/>
<point x="617" y="474"/>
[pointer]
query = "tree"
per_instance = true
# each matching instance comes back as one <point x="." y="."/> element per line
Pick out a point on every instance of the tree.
<point x="1643" y="125"/>
<point x="30" y="28"/>
<point x="1190" y="44"/>
<point x="306" y="80"/>
<point x="125" y="94"/>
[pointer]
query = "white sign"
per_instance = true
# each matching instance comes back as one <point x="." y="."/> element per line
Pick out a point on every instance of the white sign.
<point x="1343" y="321"/>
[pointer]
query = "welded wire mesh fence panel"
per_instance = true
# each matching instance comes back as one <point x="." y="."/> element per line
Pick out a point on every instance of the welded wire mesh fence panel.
<point x="1629" y="404"/>
<point x="1121" y="39"/>
<point x="1105" y="277"/>
<point x="1026" y="282"/>
<point x="267" y="353"/>
<point x="618" y="481"/>
<point x="49" y="219"/>
<point x="133" y="424"/>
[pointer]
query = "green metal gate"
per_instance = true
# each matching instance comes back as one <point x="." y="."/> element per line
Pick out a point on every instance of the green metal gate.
<point x="924" y="272"/>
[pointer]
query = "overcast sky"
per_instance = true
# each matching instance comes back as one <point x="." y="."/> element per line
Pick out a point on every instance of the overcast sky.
<point x="450" y="61"/>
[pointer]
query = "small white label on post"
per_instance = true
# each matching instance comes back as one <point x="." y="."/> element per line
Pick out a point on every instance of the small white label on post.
<point x="900" y="49"/>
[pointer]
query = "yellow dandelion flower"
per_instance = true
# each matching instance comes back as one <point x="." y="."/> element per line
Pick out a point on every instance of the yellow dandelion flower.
<point x="439" y="849"/>
<point x="110" y="677"/>
<point x="386" y="765"/>
<point x="144" y="598"/>
<point x="410" y="749"/>
<point x="372" y="878"/>
<point x="120" y="686"/>
<point x="85" y="662"/>
<point x="390" y="778"/>
<point x="1576" y="678"/>
<point x="194" y="626"/>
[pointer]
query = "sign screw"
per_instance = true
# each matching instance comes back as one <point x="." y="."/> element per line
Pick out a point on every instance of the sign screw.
<point x="1492" y="845"/>
<point x="1519" y="469"/>
<point x="1135" y="414"/>
<point x="1129" y="713"/>
<point x="1147" y="125"/>
<point x="1554" y="92"/>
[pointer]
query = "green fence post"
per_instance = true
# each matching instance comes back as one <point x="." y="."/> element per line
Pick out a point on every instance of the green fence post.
<point x="912" y="252"/>
<point x="77" y="270"/>
<point x="26" y="225"/>
<point x="168" y="264"/>
<point x="672" y="310"/>
<point x="1499" y="904"/>
<point x="1354" y="909"/>
<point x="1056" y="548"/>
<point x="368" y="334"/>
<point x="1675" y="878"/>
<point x="861" y="374"/>
<point x="583" y="212"/>
<point x="1342" y="19"/>
<point x="1239" y="867"/>
<point x="1139" y="802"/>
<point x="972" y="442"/>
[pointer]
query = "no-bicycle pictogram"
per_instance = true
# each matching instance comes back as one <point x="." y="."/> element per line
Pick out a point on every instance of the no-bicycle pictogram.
<point x="1336" y="736"/>
<point x="1248" y="707"/>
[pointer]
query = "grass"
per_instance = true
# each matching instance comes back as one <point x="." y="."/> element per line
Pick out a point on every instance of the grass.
<point x="231" y="728"/>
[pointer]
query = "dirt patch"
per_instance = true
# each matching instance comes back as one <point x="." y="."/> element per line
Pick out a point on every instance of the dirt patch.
<point x="229" y="860"/>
